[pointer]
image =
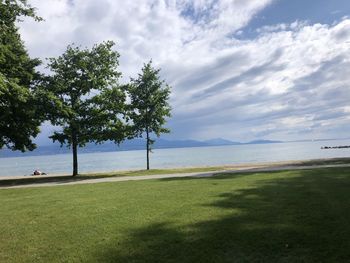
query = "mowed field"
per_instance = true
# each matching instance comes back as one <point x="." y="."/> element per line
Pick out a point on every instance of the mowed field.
<point x="291" y="216"/>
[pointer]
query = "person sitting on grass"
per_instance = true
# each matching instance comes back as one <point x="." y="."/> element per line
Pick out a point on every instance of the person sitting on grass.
<point x="37" y="172"/>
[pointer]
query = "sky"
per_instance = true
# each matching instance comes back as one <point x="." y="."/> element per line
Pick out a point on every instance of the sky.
<point x="239" y="69"/>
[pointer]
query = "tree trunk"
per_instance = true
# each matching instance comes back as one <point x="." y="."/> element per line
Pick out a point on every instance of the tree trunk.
<point x="147" y="148"/>
<point x="75" y="154"/>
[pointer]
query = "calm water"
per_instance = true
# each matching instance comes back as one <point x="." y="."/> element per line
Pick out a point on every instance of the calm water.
<point x="179" y="157"/>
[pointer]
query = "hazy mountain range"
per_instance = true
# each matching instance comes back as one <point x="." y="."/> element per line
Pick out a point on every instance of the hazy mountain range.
<point x="135" y="144"/>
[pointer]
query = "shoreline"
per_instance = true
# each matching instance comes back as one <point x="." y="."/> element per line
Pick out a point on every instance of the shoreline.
<point x="186" y="169"/>
<point x="80" y="180"/>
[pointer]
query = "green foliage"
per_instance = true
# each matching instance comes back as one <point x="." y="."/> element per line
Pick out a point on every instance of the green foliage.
<point x="12" y="10"/>
<point x="112" y="112"/>
<point x="149" y="104"/>
<point x="75" y="101"/>
<point x="149" y="101"/>
<point x="19" y="120"/>
<point x="83" y="96"/>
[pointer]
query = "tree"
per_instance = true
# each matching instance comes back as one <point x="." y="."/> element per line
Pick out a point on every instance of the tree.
<point x="149" y="102"/>
<point x="79" y="92"/>
<point x="19" y="119"/>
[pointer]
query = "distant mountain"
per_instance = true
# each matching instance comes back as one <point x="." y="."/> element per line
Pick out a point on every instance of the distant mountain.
<point x="263" y="142"/>
<point x="135" y="144"/>
<point x="220" y="141"/>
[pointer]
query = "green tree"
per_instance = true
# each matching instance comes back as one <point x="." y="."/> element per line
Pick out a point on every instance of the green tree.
<point x="82" y="95"/>
<point x="19" y="118"/>
<point x="149" y="103"/>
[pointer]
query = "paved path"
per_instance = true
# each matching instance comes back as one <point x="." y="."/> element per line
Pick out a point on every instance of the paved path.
<point x="249" y="169"/>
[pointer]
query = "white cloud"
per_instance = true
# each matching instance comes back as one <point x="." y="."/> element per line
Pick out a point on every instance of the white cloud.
<point x="142" y="29"/>
<point x="290" y="76"/>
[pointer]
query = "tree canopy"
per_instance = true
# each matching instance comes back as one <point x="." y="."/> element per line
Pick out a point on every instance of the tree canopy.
<point x="19" y="119"/>
<point x="83" y="96"/>
<point x="149" y="97"/>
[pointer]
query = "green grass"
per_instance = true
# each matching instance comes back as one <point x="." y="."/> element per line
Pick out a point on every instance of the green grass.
<point x="329" y="161"/>
<point x="293" y="216"/>
<point x="159" y="171"/>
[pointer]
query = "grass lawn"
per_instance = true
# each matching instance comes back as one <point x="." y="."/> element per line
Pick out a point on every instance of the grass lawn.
<point x="293" y="216"/>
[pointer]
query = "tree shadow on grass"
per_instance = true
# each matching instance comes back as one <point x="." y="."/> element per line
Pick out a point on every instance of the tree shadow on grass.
<point x="299" y="219"/>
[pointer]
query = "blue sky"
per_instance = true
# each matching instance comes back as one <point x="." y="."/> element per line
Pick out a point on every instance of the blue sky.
<point x="240" y="69"/>
<point x="286" y="11"/>
<point x="314" y="11"/>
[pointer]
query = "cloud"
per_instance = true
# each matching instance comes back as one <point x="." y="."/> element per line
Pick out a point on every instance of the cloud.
<point x="291" y="80"/>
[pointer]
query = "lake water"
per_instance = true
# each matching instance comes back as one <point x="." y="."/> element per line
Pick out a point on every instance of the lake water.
<point x="172" y="158"/>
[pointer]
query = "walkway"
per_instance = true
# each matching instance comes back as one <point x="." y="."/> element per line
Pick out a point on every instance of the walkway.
<point x="247" y="169"/>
